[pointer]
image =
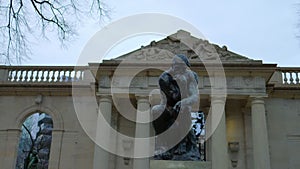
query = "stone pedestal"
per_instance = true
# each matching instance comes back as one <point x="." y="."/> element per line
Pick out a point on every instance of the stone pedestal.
<point x="165" y="164"/>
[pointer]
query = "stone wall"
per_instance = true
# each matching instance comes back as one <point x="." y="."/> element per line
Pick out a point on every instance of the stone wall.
<point x="70" y="148"/>
<point x="283" y="117"/>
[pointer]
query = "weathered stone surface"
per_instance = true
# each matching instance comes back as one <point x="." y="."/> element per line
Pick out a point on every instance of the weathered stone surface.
<point x="72" y="148"/>
<point x="182" y="43"/>
<point x="166" y="164"/>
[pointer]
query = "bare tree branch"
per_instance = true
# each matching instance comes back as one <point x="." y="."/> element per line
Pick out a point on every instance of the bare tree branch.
<point x="27" y="159"/>
<point x="29" y="133"/>
<point x="23" y="20"/>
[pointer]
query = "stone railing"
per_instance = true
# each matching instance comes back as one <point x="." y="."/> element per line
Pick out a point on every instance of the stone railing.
<point x="290" y="75"/>
<point x="41" y="74"/>
<point x="286" y="77"/>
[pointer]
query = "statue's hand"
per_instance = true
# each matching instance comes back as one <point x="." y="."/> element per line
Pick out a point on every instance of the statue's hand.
<point x="181" y="104"/>
<point x="177" y="106"/>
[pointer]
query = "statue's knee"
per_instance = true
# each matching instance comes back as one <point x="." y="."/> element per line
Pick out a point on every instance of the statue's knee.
<point x="157" y="110"/>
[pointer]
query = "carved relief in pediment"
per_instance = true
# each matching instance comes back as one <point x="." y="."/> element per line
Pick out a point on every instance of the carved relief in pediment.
<point x="152" y="54"/>
<point x="205" y="50"/>
<point x="194" y="48"/>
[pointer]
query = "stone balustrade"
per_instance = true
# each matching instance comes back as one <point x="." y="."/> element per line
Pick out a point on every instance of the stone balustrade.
<point x="286" y="77"/>
<point x="290" y="75"/>
<point x="41" y="74"/>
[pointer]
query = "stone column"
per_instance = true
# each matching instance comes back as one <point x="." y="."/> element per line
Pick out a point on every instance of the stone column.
<point x="101" y="156"/>
<point x="261" y="156"/>
<point x="219" y="154"/>
<point x="142" y="130"/>
<point x="12" y="145"/>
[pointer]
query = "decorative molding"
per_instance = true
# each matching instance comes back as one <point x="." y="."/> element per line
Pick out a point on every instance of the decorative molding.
<point x="104" y="81"/>
<point x="127" y="146"/>
<point x="293" y="137"/>
<point x="245" y="82"/>
<point x="58" y="122"/>
<point x="234" y="146"/>
<point x="139" y="81"/>
<point x="38" y="99"/>
<point x="182" y="43"/>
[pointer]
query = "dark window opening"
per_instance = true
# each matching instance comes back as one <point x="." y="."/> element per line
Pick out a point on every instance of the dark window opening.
<point x="35" y="142"/>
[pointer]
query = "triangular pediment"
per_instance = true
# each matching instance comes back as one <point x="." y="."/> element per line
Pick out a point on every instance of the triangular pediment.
<point x="182" y="42"/>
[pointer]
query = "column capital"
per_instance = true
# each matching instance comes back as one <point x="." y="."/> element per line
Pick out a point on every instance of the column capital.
<point x="142" y="98"/>
<point x="258" y="96"/>
<point x="257" y="99"/>
<point x="218" y="98"/>
<point x="105" y="98"/>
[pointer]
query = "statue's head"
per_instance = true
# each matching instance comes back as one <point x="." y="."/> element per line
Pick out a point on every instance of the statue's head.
<point x="180" y="63"/>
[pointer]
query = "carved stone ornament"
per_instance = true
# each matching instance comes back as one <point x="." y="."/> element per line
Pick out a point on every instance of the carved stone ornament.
<point x="182" y="43"/>
<point x="153" y="54"/>
<point x="205" y="50"/>
<point x="38" y="99"/>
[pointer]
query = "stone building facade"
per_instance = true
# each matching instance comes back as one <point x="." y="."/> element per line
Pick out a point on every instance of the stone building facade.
<point x="258" y="127"/>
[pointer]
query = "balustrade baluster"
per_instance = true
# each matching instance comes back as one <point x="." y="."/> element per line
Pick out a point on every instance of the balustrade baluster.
<point x="64" y="76"/>
<point x="26" y="76"/>
<point x="297" y="77"/>
<point x="43" y="76"/>
<point x="31" y="75"/>
<point x="21" y="76"/>
<point x="77" y="74"/>
<point x="36" y="76"/>
<point x="10" y="72"/>
<point x="285" y="78"/>
<point x="69" y="76"/>
<point x="58" y="76"/>
<point x="53" y="76"/>
<point x="48" y="75"/>
<point x="291" y="78"/>
<point x="16" y="75"/>
<point x="73" y="77"/>
<point x="80" y="75"/>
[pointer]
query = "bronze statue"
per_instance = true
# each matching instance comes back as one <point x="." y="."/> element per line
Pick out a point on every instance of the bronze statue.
<point x="179" y="91"/>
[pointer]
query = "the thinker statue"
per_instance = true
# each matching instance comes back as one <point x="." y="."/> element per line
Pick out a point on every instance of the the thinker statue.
<point x="179" y="91"/>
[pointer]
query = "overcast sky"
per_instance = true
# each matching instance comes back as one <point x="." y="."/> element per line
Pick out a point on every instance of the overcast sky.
<point x="258" y="29"/>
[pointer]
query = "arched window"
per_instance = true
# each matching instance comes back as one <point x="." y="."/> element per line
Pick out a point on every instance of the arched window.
<point x="35" y="142"/>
